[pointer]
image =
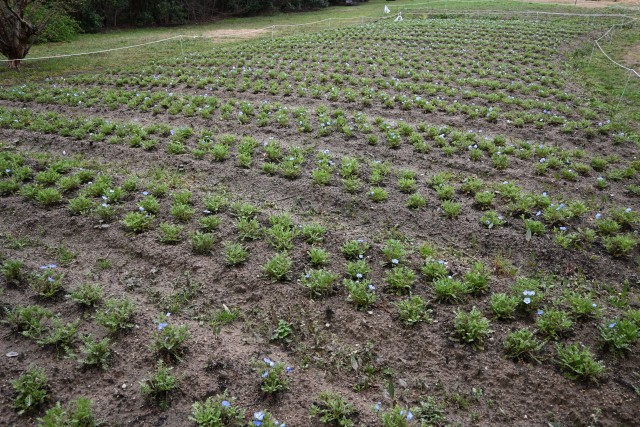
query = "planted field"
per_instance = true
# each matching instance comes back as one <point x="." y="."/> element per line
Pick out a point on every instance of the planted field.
<point x="399" y="224"/>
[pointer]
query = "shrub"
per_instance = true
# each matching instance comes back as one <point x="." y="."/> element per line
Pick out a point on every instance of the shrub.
<point x="319" y="282"/>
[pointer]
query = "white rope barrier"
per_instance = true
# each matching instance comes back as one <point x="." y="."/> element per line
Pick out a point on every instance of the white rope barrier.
<point x="95" y="52"/>
<point x="182" y="36"/>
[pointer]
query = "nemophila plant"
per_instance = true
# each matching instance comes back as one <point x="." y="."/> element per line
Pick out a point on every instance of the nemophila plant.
<point x="633" y="316"/>
<point x="28" y="320"/>
<point x="358" y="269"/>
<point x="76" y="413"/>
<point x="12" y="272"/>
<point x="618" y="336"/>
<point x="445" y="191"/>
<point x="158" y="385"/>
<point x="318" y="256"/>
<point x="362" y="293"/>
<point x="265" y="419"/>
<point x="217" y="411"/>
<point x="582" y="307"/>
<point x="626" y="217"/>
<point x="331" y="409"/>
<point x="210" y="223"/>
<point x="621" y="245"/>
<point x="451" y="209"/>
<point x="477" y="279"/>
<point x="378" y="194"/>
<point x="449" y="290"/>
<point x="491" y="219"/>
<point x="116" y="315"/>
<point x="182" y="212"/>
<point x="60" y="335"/>
<point x="202" y="243"/>
<point x="170" y="234"/>
<point x="248" y="229"/>
<point x="282" y="332"/>
<point x="214" y="203"/>
<point x="533" y="228"/>
<point x="138" y="222"/>
<point x="394" y="251"/>
<point x="484" y="199"/>
<point x="46" y="284"/>
<point x="416" y="201"/>
<point x="168" y="339"/>
<point x="48" y="197"/>
<point x="434" y="269"/>
<point x="400" y="280"/>
<point x="522" y="345"/>
<point x="430" y="412"/>
<point x="31" y="389"/>
<point x="578" y="363"/>
<point x="349" y="167"/>
<point x="281" y="236"/>
<point x="413" y="310"/>
<point x="313" y="233"/>
<point x="234" y="254"/>
<point x="503" y="306"/>
<point x="94" y="352"/>
<point x="278" y="267"/>
<point x="529" y="291"/>
<point x="355" y="249"/>
<point x="273" y="376"/>
<point x="352" y="185"/>
<point x="397" y="416"/>
<point x="270" y="168"/>
<point x="244" y="210"/>
<point x="319" y="282"/>
<point x="149" y="204"/>
<point x="472" y="327"/>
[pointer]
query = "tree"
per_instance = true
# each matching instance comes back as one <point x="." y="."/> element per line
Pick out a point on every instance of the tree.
<point x="22" y="22"/>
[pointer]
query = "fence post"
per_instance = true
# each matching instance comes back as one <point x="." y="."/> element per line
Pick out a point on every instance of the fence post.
<point x="592" y="49"/>
<point x="184" y="58"/>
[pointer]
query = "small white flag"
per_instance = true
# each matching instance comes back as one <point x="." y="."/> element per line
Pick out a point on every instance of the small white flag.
<point x="398" y="18"/>
<point x="386" y="9"/>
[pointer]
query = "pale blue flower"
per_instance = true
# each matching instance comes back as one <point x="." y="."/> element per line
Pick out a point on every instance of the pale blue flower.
<point x="226" y="403"/>
<point x="527" y="300"/>
<point x="162" y="325"/>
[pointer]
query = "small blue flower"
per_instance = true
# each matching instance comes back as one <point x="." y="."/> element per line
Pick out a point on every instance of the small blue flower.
<point x="269" y="361"/>
<point x="627" y="210"/>
<point x="594" y="305"/>
<point x="145" y="193"/>
<point x="540" y="312"/>
<point x="162" y="325"/>
<point x="377" y="407"/>
<point x="394" y="261"/>
<point x="50" y="279"/>
<point x="612" y="325"/>
<point x="563" y="228"/>
<point x="264" y="374"/>
<point x="361" y="256"/>
<point x="598" y="216"/>
<point x="226" y="403"/>
<point x="141" y="209"/>
<point x="409" y="416"/>
<point x="289" y="368"/>
<point x="372" y="288"/>
<point x="258" y="416"/>
<point x="527" y="300"/>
